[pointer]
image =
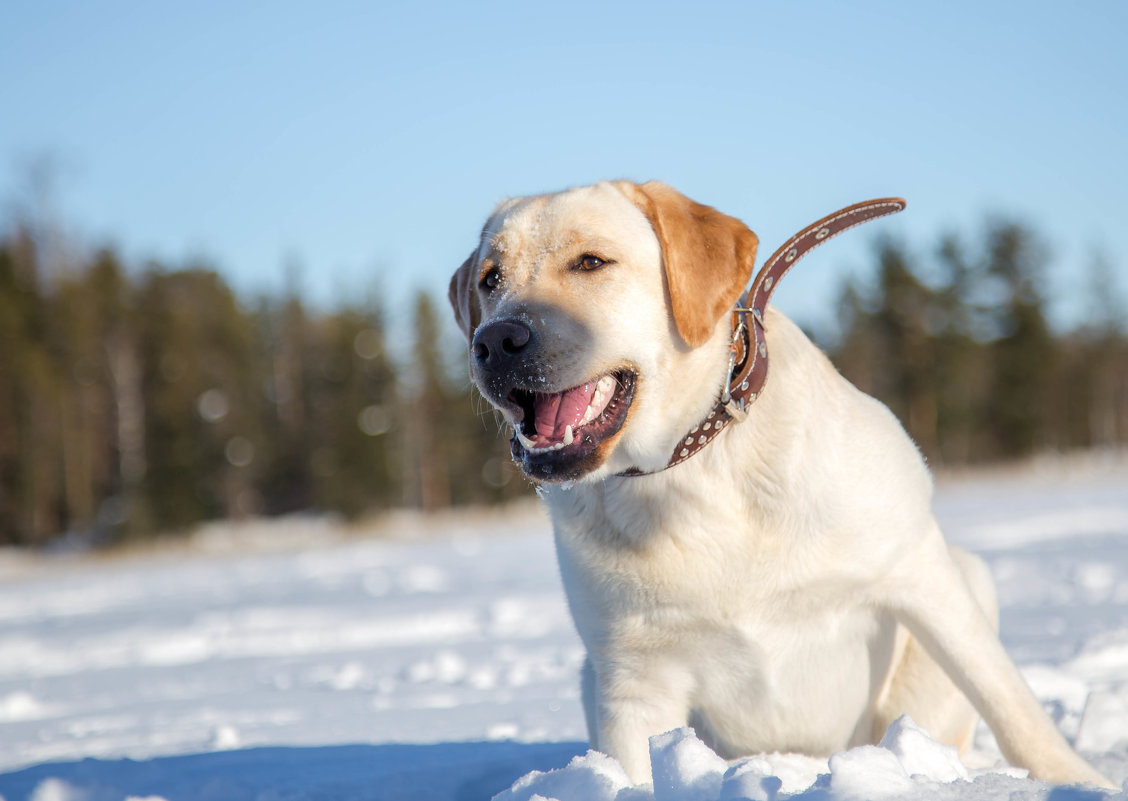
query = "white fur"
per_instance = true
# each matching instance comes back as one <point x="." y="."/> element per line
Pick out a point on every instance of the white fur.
<point x="787" y="588"/>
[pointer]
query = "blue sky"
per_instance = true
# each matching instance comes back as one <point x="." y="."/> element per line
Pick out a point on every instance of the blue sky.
<point x="368" y="141"/>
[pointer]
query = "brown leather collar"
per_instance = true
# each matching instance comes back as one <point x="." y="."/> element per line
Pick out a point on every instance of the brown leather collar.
<point x="748" y="360"/>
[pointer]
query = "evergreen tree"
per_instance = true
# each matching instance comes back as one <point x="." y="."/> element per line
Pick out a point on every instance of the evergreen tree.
<point x="428" y="477"/>
<point x="102" y="408"/>
<point x="17" y="301"/>
<point x="901" y="324"/>
<point x="288" y="481"/>
<point x="355" y="422"/>
<point x="203" y="387"/>
<point x="1022" y="357"/>
<point x="31" y="468"/>
<point x="961" y="368"/>
<point x="1099" y="360"/>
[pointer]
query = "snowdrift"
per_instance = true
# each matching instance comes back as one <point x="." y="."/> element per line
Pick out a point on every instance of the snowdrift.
<point x="907" y="764"/>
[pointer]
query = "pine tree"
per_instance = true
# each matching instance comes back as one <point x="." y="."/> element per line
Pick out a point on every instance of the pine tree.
<point x="355" y="421"/>
<point x="32" y="471"/>
<point x="288" y="481"/>
<point x="427" y="462"/>
<point x="204" y="400"/>
<point x="1023" y="356"/>
<point x="901" y="323"/>
<point x="1100" y="360"/>
<point x="961" y="377"/>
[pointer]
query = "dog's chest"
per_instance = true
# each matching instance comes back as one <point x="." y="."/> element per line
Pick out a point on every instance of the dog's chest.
<point x="696" y="583"/>
<point x="656" y="559"/>
<point x="759" y="627"/>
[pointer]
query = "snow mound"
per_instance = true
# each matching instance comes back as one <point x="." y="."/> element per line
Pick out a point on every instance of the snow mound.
<point x="591" y="777"/>
<point x="684" y="768"/>
<point x="907" y="764"/>
<point x="920" y="755"/>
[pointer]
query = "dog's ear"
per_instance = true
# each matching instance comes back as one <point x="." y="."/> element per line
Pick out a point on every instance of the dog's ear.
<point x="464" y="296"/>
<point x="708" y="256"/>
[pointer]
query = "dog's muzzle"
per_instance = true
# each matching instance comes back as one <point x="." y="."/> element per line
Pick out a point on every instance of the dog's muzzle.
<point x="558" y="430"/>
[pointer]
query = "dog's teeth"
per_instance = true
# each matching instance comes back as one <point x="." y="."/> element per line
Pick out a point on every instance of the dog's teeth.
<point x="603" y="393"/>
<point x="525" y="441"/>
<point x="567" y="436"/>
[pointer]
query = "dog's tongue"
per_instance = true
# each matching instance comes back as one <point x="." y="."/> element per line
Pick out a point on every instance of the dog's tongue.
<point x="554" y="413"/>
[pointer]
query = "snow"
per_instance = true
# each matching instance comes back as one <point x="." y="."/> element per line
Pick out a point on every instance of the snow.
<point x="435" y="660"/>
<point x="919" y="755"/>
<point x="907" y="764"/>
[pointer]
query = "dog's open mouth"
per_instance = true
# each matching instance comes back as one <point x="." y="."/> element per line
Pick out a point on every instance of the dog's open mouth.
<point x="558" y="428"/>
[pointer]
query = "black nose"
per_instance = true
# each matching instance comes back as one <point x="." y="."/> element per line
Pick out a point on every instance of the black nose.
<point x="498" y="344"/>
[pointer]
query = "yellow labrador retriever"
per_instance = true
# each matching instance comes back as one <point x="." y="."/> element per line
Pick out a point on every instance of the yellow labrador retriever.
<point x="787" y="588"/>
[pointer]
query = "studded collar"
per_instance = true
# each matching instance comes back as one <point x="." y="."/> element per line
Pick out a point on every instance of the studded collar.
<point x="748" y="352"/>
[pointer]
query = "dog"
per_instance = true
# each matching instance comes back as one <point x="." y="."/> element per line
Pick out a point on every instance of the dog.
<point x="785" y="589"/>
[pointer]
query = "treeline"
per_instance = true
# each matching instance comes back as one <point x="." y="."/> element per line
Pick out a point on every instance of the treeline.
<point x="958" y="344"/>
<point x="137" y="402"/>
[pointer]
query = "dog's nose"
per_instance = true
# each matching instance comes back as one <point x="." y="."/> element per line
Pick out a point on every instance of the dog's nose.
<point x="496" y="344"/>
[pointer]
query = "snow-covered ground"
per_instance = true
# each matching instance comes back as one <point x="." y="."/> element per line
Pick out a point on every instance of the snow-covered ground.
<point x="436" y="660"/>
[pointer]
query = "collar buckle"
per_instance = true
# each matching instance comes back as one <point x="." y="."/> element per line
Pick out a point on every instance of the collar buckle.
<point x="737" y="339"/>
<point x="737" y="410"/>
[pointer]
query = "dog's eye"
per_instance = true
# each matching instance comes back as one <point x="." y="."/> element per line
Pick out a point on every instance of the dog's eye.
<point x="590" y="262"/>
<point x="491" y="279"/>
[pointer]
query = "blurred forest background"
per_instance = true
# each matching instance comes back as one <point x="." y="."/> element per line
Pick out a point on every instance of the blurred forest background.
<point x="140" y="399"/>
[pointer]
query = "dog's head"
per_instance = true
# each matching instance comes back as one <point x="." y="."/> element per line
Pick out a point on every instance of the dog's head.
<point x="598" y="322"/>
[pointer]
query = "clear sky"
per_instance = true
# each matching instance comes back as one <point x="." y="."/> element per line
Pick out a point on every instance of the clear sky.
<point x="368" y="141"/>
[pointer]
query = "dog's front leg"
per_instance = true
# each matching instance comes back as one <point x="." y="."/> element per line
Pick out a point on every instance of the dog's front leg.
<point x="632" y="705"/>
<point x="932" y="599"/>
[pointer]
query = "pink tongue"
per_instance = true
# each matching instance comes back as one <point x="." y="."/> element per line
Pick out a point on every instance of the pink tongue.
<point x="554" y="413"/>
